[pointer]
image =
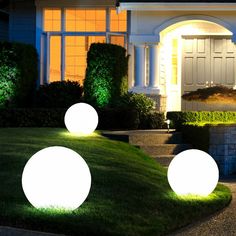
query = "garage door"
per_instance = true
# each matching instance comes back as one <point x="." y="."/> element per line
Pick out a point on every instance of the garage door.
<point x="207" y="61"/>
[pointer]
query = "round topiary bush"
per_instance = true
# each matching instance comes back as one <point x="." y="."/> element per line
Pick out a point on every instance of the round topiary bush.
<point x="61" y="94"/>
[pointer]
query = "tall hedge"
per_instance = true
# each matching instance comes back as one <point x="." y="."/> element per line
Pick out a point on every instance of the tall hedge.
<point x="106" y="74"/>
<point x="19" y="70"/>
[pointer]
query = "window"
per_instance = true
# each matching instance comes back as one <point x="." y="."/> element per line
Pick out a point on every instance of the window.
<point x="118" y="40"/>
<point x="118" y="21"/>
<point x="55" y="58"/>
<point x="52" y="20"/>
<point x="85" y="20"/>
<point x="67" y="51"/>
<point x="174" y="61"/>
<point x="76" y="48"/>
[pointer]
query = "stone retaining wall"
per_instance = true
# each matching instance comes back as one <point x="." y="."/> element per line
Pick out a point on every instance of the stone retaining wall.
<point x="222" y="147"/>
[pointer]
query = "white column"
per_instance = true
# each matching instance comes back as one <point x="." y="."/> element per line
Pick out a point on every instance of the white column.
<point x="153" y="66"/>
<point x="139" y="65"/>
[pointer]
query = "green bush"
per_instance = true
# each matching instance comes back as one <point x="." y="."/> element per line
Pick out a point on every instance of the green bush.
<point x="180" y="118"/>
<point x="106" y="74"/>
<point x="118" y="119"/>
<point x="8" y="89"/>
<point x="18" y="64"/>
<point x="152" y="120"/>
<point x="61" y="94"/>
<point x="31" y="117"/>
<point x="140" y="102"/>
<point x="198" y="136"/>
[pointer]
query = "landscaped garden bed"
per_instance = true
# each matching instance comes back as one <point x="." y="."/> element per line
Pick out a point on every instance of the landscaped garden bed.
<point x="130" y="194"/>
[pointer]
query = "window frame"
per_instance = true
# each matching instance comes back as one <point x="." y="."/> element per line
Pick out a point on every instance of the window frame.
<point x="45" y="37"/>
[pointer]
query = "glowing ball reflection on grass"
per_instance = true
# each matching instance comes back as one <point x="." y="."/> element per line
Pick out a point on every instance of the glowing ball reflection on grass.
<point x="81" y="118"/>
<point x="193" y="172"/>
<point x="56" y="177"/>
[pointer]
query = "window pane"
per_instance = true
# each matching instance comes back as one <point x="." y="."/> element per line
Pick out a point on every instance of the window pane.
<point x="52" y="20"/>
<point x="76" y="48"/>
<point x="85" y="20"/>
<point x="118" y="40"/>
<point x="55" y="59"/>
<point x="174" y="61"/>
<point x="118" y="21"/>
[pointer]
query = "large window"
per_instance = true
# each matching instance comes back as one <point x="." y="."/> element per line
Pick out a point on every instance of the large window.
<point x="85" y="20"/>
<point x="69" y="34"/>
<point x="52" y="20"/>
<point x="76" y="48"/>
<point x="118" y="22"/>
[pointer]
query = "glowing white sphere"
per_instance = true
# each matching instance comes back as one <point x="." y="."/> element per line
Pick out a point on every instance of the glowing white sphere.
<point x="193" y="172"/>
<point x="56" y="177"/>
<point x="81" y="118"/>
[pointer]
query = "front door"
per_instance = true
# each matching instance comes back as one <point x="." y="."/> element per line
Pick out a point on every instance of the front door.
<point x="207" y="61"/>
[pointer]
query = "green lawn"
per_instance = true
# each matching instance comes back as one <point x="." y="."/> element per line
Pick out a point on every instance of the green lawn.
<point x="129" y="194"/>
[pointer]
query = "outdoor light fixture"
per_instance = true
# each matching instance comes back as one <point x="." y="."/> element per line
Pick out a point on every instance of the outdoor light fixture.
<point x="193" y="172"/>
<point x="168" y="125"/>
<point x="56" y="177"/>
<point x="81" y="119"/>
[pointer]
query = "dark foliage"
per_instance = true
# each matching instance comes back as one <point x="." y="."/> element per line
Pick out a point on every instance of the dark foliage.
<point x="61" y="94"/>
<point x="18" y="73"/>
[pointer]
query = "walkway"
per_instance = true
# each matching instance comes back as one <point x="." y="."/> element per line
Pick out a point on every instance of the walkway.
<point x="220" y="224"/>
<point x="10" y="231"/>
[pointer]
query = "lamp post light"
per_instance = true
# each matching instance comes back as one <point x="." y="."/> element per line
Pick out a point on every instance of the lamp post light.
<point x="168" y="125"/>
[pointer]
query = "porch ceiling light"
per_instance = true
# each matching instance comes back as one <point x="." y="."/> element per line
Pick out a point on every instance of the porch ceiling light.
<point x="81" y="119"/>
<point x="193" y="172"/>
<point x="56" y="177"/>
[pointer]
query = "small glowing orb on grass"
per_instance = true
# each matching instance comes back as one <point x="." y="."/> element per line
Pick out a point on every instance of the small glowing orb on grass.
<point x="81" y="118"/>
<point x="56" y="177"/>
<point x="193" y="172"/>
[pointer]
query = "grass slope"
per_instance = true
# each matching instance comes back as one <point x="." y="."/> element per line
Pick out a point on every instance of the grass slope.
<point x="129" y="195"/>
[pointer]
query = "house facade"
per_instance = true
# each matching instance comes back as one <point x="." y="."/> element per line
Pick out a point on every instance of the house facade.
<point x="174" y="47"/>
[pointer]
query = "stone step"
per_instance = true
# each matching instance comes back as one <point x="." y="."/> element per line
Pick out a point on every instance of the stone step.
<point x="165" y="149"/>
<point x="154" y="139"/>
<point x="164" y="160"/>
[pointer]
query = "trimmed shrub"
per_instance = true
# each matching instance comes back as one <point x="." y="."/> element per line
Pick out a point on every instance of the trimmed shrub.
<point x="118" y="118"/>
<point x="141" y="103"/>
<point x="18" y="73"/>
<point x="216" y="94"/>
<point x="30" y="117"/>
<point x="198" y="136"/>
<point x="181" y="118"/>
<point x="106" y="74"/>
<point x="60" y="94"/>
<point x="152" y="120"/>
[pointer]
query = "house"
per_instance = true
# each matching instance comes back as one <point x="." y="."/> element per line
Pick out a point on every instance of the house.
<point x="175" y="46"/>
<point x="4" y="19"/>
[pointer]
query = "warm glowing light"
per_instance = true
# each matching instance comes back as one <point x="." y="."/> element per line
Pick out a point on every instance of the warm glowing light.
<point x="193" y="172"/>
<point x="81" y="118"/>
<point x="56" y="177"/>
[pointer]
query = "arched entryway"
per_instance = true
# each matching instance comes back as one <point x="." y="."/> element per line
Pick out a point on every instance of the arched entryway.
<point x="195" y="53"/>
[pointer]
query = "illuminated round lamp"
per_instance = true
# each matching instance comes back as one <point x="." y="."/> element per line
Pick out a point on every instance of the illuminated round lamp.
<point x="56" y="177"/>
<point x="81" y="118"/>
<point x="193" y="172"/>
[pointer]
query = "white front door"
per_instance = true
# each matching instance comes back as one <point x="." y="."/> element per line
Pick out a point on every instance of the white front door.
<point x="207" y="61"/>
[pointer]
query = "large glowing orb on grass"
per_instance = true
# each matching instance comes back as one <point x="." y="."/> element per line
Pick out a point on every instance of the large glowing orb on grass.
<point x="81" y="118"/>
<point x="56" y="177"/>
<point x="193" y="172"/>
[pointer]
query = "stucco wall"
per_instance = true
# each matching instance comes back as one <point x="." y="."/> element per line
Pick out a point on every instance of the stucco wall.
<point x="146" y="22"/>
<point x="4" y="29"/>
<point x="22" y="21"/>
